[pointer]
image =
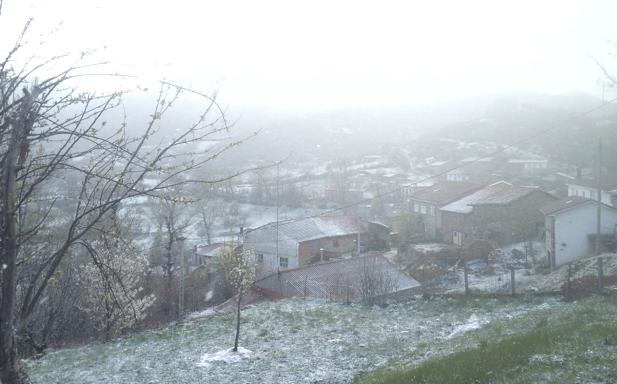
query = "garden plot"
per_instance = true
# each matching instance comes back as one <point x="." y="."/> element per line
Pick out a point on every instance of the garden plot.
<point x="290" y="341"/>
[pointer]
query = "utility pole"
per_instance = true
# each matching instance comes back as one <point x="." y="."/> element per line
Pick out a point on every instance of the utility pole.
<point x="599" y="196"/>
<point x="278" y="163"/>
<point x="181" y="290"/>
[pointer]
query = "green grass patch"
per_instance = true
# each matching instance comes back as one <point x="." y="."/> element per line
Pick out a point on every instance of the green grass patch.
<point x="573" y="345"/>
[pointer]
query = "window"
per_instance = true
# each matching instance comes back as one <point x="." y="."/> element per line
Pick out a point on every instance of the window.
<point x="416" y="207"/>
<point x="432" y="210"/>
<point x="283" y="262"/>
<point x="423" y="209"/>
<point x="260" y="258"/>
<point x="335" y="243"/>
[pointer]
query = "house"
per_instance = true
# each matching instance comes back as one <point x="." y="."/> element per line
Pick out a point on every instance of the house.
<point x="500" y="212"/>
<point x="424" y="203"/>
<point x="588" y="188"/>
<point x="527" y="166"/>
<point x="571" y="226"/>
<point x="205" y="253"/>
<point x="482" y="169"/>
<point x="458" y="174"/>
<point x="297" y="243"/>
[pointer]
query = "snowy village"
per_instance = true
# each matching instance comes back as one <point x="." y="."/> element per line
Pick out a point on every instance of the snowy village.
<point x="345" y="192"/>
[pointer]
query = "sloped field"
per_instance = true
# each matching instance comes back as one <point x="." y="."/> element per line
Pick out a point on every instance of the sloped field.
<point x="289" y="341"/>
<point x="572" y="344"/>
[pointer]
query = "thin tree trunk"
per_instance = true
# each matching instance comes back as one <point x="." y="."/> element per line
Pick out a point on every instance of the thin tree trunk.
<point x="9" y="365"/>
<point x="169" y="299"/>
<point x="238" y="323"/>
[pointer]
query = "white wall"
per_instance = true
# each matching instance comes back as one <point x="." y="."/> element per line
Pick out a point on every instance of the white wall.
<point x="263" y="241"/>
<point x="589" y="193"/>
<point x="572" y="228"/>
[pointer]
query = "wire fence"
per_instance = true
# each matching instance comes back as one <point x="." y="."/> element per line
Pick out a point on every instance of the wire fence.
<point x="347" y="280"/>
<point x="582" y="277"/>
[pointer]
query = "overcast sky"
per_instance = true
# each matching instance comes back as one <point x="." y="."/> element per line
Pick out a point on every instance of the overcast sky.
<point x="337" y="53"/>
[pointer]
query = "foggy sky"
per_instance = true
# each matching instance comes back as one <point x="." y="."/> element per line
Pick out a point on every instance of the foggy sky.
<point x="325" y="53"/>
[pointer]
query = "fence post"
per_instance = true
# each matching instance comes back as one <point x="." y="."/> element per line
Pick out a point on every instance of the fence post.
<point x="600" y="274"/>
<point x="568" y="281"/>
<point x="305" y="278"/>
<point x="466" y="272"/>
<point x="512" y="282"/>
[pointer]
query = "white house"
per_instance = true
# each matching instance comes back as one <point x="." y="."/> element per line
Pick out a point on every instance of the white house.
<point x="589" y="189"/>
<point x="528" y="165"/>
<point x="570" y="226"/>
<point x="297" y="243"/>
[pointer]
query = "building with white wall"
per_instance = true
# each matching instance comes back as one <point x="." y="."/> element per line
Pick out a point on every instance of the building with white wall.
<point x="588" y="189"/>
<point x="570" y="227"/>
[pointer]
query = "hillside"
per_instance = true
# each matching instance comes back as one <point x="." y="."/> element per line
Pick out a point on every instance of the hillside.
<point x="290" y="341"/>
<point x="575" y="344"/>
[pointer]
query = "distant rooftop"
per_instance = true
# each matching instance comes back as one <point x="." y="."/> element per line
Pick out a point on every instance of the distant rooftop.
<point x="499" y="193"/>
<point x="317" y="227"/>
<point x="608" y="182"/>
<point x="555" y="207"/>
<point x="444" y="192"/>
<point x="210" y="250"/>
<point x="522" y="161"/>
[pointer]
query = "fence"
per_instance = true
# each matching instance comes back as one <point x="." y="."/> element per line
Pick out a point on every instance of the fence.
<point x="590" y="275"/>
<point x="585" y="276"/>
<point x="342" y="280"/>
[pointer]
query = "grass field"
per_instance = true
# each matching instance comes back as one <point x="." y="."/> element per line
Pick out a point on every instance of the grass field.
<point x="576" y="343"/>
<point x="290" y="341"/>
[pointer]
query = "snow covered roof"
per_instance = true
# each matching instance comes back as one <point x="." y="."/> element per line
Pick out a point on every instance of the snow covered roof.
<point x="476" y="159"/>
<point x="326" y="279"/>
<point x="506" y="195"/>
<point x="556" y="207"/>
<point x="443" y="192"/>
<point x="522" y="161"/>
<point x="210" y="250"/>
<point x="498" y="193"/>
<point x="317" y="227"/>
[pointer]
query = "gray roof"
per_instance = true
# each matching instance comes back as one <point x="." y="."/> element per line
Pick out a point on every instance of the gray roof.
<point x="607" y="183"/>
<point x="210" y="250"/>
<point x="337" y="279"/>
<point x="500" y="192"/>
<point x="443" y="192"/>
<point x="506" y="195"/>
<point x="555" y="207"/>
<point x="317" y="227"/>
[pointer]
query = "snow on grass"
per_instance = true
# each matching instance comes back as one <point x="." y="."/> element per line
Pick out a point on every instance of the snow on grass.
<point x="227" y="356"/>
<point x="474" y="322"/>
<point x="201" y="314"/>
<point x="292" y="341"/>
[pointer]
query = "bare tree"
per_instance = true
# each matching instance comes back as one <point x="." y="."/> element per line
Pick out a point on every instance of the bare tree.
<point x="209" y="213"/>
<point x="339" y="175"/>
<point x="48" y="129"/>
<point x="375" y="282"/>
<point x="171" y="214"/>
